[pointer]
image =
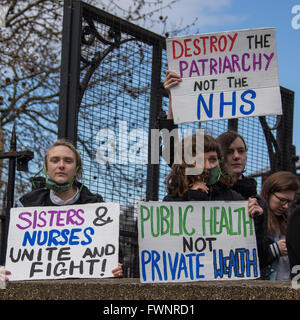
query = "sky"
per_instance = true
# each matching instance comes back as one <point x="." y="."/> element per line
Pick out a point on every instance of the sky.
<point x="225" y="15"/>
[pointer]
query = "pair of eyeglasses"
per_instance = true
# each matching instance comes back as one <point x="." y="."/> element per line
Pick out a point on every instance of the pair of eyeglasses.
<point x="283" y="201"/>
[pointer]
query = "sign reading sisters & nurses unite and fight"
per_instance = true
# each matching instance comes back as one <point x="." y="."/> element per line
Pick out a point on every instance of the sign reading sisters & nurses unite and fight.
<point x="74" y="241"/>
<point x="192" y="241"/>
<point x="225" y="75"/>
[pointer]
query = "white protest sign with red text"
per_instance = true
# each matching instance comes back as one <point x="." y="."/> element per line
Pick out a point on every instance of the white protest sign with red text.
<point x="225" y="75"/>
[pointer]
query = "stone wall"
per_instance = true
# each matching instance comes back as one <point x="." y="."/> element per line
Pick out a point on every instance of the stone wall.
<point x="132" y="289"/>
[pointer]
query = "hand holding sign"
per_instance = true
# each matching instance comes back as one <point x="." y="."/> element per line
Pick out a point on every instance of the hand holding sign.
<point x="225" y="75"/>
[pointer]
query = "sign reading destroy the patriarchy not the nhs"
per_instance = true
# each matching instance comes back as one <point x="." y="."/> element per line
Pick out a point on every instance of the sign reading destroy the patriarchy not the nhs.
<point x="192" y="241"/>
<point x="74" y="241"/>
<point x="225" y="75"/>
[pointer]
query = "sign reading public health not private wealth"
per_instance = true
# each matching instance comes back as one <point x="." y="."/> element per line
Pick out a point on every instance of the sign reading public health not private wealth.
<point x="74" y="241"/>
<point x="192" y="241"/>
<point x="225" y="75"/>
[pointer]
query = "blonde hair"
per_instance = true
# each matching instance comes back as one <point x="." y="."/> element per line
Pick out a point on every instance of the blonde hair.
<point x="70" y="145"/>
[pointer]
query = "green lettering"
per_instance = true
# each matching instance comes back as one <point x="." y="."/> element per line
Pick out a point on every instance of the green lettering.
<point x="143" y="218"/>
<point x="216" y="222"/>
<point x="191" y="208"/>
<point x="179" y="223"/>
<point x="157" y="222"/>
<point x="224" y="221"/>
<point x="164" y="220"/>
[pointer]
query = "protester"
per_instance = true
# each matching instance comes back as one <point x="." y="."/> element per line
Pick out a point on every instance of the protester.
<point x="293" y="238"/>
<point x="234" y="152"/>
<point x="63" y="169"/>
<point x="172" y="79"/>
<point x="213" y="184"/>
<point x="279" y="191"/>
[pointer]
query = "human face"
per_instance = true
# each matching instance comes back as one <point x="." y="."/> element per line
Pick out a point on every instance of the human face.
<point x="279" y="202"/>
<point x="61" y="164"/>
<point x="210" y="159"/>
<point x="236" y="157"/>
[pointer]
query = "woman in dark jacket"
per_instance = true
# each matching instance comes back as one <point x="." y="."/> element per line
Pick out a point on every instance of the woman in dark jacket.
<point x="211" y="185"/>
<point x="63" y="169"/>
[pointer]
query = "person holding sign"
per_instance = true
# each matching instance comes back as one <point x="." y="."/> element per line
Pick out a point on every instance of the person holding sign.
<point x="234" y="151"/>
<point x="172" y="79"/>
<point x="213" y="184"/>
<point x="279" y="191"/>
<point x="63" y="169"/>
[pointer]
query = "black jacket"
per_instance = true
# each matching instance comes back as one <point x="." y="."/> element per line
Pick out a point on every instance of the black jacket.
<point x="41" y="197"/>
<point x="246" y="187"/>
<point x="217" y="192"/>
<point x="293" y="237"/>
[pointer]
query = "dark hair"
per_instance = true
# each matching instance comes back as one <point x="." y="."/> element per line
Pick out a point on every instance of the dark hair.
<point x="178" y="183"/>
<point x="226" y="139"/>
<point x="278" y="182"/>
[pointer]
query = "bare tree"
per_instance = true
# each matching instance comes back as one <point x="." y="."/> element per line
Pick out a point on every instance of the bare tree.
<point x="30" y="52"/>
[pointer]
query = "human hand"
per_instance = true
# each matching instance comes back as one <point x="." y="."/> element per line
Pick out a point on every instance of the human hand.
<point x="282" y="247"/>
<point x="198" y="185"/>
<point x="171" y="80"/>
<point x="4" y="273"/>
<point x="254" y="208"/>
<point x="118" y="272"/>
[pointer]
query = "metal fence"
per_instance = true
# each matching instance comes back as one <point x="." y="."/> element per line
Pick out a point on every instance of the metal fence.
<point x="111" y="95"/>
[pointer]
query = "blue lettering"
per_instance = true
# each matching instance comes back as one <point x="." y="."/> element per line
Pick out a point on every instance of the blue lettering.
<point x="155" y="258"/>
<point x="145" y="260"/>
<point x="29" y="238"/>
<point x="88" y="237"/>
<point x="235" y="263"/>
<point x="173" y="266"/>
<point x="250" y="263"/>
<point x="252" y="105"/>
<point x="182" y="267"/>
<point x="229" y="103"/>
<point x="199" y="265"/>
<point x="218" y="272"/>
<point x="208" y="111"/>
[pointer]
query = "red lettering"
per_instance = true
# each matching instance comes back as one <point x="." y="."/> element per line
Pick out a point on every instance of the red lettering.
<point x="187" y="49"/>
<point x="224" y="40"/>
<point x="213" y="41"/>
<point x="232" y="40"/>
<point x="198" y="51"/>
<point x="204" y="43"/>
<point x="174" y="49"/>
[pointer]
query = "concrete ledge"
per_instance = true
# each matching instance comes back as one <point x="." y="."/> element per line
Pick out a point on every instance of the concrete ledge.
<point x="132" y="289"/>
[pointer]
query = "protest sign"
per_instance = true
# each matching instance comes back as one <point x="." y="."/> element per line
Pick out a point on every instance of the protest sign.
<point x="74" y="241"/>
<point x="192" y="241"/>
<point x="225" y="75"/>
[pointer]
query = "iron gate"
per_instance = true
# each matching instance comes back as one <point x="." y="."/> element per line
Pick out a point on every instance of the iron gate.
<point x="112" y="95"/>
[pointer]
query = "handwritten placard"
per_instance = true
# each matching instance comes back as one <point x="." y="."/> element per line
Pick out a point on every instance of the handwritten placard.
<point x="192" y="241"/>
<point x="225" y="75"/>
<point x="75" y="241"/>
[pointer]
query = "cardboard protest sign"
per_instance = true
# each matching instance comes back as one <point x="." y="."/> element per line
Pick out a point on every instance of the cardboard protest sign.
<point x="225" y="75"/>
<point x="192" y="241"/>
<point x="74" y="241"/>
